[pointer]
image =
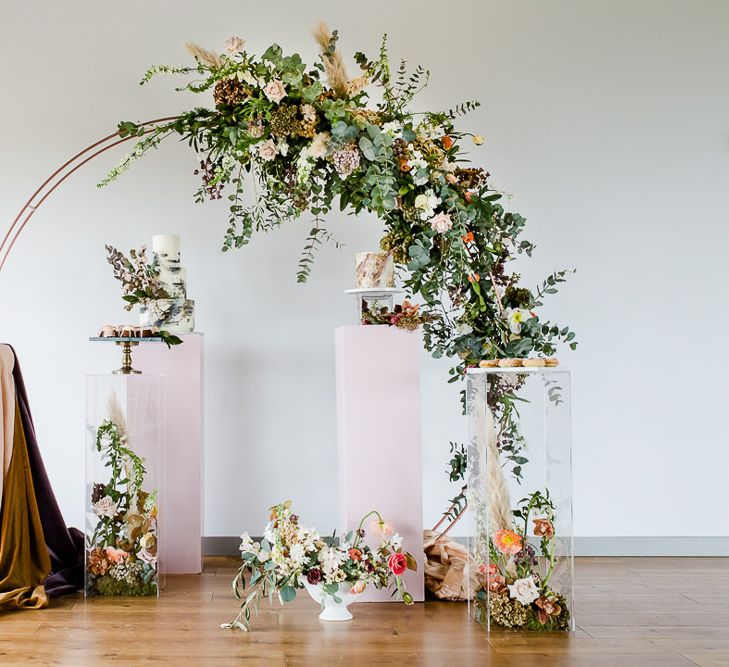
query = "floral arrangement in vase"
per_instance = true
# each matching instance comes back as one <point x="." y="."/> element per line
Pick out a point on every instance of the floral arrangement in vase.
<point x="121" y="550"/>
<point x="405" y="316"/>
<point x="291" y="557"/>
<point x="515" y="590"/>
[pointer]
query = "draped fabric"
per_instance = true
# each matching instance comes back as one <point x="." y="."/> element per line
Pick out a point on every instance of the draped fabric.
<point x="7" y="410"/>
<point x="31" y="517"/>
<point x="24" y="560"/>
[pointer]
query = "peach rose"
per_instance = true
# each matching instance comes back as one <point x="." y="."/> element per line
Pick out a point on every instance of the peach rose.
<point x="116" y="555"/>
<point x="358" y="587"/>
<point x="507" y="542"/>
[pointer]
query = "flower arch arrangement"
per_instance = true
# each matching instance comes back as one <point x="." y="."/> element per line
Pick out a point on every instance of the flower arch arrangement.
<point x="312" y="138"/>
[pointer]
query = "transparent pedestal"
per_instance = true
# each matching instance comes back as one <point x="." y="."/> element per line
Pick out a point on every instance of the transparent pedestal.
<point x="520" y="498"/>
<point x="373" y="300"/>
<point x="124" y="483"/>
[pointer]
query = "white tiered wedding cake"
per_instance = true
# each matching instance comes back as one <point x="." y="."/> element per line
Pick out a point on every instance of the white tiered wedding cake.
<point x="177" y="313"/>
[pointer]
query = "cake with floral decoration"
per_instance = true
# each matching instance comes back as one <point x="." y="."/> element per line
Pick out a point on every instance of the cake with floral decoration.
<point x="374" y="270"/>
<point x="175" y="313"/>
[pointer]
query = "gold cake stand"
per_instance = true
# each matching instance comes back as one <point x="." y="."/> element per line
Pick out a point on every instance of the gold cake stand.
<point x="126" y="343"/>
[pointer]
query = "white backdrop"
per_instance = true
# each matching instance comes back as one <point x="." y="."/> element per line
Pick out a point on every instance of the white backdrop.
<point x="610" y="123"/>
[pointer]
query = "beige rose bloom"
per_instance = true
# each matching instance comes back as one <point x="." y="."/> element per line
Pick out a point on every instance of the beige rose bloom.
<point x="267" y="150"/>
<point x="275" y="91"/>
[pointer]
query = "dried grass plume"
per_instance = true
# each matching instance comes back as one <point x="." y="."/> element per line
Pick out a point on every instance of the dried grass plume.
<point x="333" y="63"/>
<point x="203" y="55"/>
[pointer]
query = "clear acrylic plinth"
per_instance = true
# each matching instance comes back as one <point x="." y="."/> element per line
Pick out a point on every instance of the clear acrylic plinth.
<point x="124" y="484"/>
<point x="520" y="498"/>
<point x="374" y="299"/>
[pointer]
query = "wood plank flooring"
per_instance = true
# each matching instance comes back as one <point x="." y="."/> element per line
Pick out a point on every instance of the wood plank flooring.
<point x="641" y="612"/>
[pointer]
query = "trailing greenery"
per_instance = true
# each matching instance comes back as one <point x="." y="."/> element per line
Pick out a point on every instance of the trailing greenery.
<point x="309" y="138"/>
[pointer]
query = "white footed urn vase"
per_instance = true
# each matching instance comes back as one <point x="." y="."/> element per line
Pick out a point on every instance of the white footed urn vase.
<point x="331" y="609"/>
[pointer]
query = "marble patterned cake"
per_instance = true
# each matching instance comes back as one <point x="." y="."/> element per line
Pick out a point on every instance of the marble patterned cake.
<point x="175" y="314"/>
<point x="374" y="270"/>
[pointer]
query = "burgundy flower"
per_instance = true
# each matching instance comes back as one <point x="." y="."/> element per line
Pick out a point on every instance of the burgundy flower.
<point x="314" y="576"/>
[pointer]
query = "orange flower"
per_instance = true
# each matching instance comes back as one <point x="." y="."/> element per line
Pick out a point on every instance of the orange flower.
<point x="355" y="554"/>
<point x="404" y="166"/>
<point x="468" y="238"/>
<point x="474" y="278"/>
<point x="447" y="142"/>
<point x="451" y="179"/>
<point x="467" y="196"/>
<point x="507" y="542"/>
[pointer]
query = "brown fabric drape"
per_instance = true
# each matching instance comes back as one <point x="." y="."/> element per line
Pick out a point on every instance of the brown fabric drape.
<point x="24" y="560"/>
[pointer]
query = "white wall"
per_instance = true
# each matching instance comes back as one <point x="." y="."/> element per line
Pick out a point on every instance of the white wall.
<point x="609" y="120"/>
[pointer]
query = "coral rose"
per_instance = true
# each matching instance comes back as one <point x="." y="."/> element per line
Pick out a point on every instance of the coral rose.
<point x="355" y="554"/>
<point x="507" y="542"/>
<point x="116" y="555"/>
<point x="397" y="563"/>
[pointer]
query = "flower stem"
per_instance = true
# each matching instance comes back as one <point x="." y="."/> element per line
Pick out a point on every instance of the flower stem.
<point x="361" y="522"/>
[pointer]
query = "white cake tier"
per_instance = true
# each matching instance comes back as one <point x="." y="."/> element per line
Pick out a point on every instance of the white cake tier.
<point x="174" y="281"/>
<point x="374" y="269"/>
<point x="161" y="259"/>
<point x="174" y="315"/>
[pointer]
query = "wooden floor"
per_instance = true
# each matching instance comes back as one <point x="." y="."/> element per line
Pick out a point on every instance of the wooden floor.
<point x="630" y="611"/>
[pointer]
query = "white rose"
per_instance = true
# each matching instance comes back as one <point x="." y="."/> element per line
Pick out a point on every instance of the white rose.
<point x="524" y="590"/>
<point x="275" y="90"/>
<point x="105" y="507"/>
<point x="267" y="150"/>
<point x="441" y="223"/>
<point x="421" y="201"/>
<point x="234" y="45"/>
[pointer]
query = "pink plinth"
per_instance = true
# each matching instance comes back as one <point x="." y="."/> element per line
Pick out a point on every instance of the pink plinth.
<point x="181" y="519"/>
<point x="378" y="424"/>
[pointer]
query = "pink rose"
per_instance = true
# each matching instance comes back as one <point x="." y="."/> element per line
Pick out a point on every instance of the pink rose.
<point x="397" y="563"/>
<point x="267" y="150"/>
<point x="441" y="223"/>
<point x="275" y="90"/>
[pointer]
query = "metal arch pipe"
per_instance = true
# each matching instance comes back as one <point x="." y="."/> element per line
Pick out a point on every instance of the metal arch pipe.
<point x="30" y="208"/>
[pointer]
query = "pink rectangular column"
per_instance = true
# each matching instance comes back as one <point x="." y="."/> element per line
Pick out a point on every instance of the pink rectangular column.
<point x="378" y="426"/>
<point x="181" y="507"/>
